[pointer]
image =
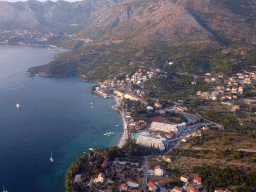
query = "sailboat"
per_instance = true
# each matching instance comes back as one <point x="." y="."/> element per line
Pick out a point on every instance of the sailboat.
<point x="18" y="106"/>
<point x="4" y="189"/>
<point x="51" y="159"/>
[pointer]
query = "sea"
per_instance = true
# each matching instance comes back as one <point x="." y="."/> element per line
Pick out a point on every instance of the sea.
<point x="57" y="114"/>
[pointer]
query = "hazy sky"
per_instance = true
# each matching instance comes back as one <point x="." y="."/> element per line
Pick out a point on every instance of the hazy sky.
<point x="38" y="0"/>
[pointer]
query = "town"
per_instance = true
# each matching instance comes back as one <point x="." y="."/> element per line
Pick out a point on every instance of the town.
<point x="34" y="37"/>
<point x="159" y="129"/>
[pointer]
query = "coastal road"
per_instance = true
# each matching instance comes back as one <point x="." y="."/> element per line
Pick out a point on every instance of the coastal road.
<point x="145" y="173"/>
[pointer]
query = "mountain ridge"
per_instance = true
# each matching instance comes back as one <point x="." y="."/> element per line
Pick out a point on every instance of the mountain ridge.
<point x="132" y="28"/>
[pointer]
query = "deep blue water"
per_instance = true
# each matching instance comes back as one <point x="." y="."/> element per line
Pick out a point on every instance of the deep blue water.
<point x="56" y="115"/>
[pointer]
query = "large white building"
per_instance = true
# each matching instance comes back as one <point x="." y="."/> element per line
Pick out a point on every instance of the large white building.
<point x="119" y="93"/>
<point x="151" y="142"/>
<point x="155" y="126"/>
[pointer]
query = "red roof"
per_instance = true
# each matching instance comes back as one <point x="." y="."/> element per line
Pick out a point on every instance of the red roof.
<point x="143" y="101"/>
<point x="166" y="157"/>
<point x="191" y="189"/>
<point x="132" y="126"/>
<point x="151" y="185"/>
<point x="184" y="176"/>
<point x="101" y="175"/>
<point x="159" y="167"/>
<point x="105" y="162"/>
<point x="197" y="179"/>
<point x="124" y="186"/>
<point x="177" y="188"/>
<point x="157" y="104"/>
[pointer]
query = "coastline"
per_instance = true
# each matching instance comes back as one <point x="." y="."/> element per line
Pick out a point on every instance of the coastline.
<point x="125" y="128"/>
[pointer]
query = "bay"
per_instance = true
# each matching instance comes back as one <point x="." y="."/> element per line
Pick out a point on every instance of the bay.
<point x="57" y="114"/>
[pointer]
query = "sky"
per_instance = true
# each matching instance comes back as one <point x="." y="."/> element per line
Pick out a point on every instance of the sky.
<point x="37" y="0"/>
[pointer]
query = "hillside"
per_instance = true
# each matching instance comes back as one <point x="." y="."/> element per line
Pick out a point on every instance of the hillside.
<point x="33" y="14"/>
<point x="193" y="33"/>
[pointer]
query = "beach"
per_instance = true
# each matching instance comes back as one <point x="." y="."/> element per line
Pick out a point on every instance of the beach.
<point x="125" y="128"/>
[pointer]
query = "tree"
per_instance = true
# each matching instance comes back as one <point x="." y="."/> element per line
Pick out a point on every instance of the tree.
<point x="133" y="130"/>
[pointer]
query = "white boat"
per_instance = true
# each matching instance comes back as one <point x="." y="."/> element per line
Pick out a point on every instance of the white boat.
<point x="51" y="159"/>
<point x="4" y="189"/>
<point x="109" y="134"/>
<point x="91" y="149"/>
<point x="117" y="125"/>
<point x="18" y="106"/>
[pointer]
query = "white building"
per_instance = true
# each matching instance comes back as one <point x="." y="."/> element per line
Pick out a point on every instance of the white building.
<point x="100" y="178"/>
<point x="155" y="126"/>
<point x="159" y="171"/>
<point x="151" y="142"/>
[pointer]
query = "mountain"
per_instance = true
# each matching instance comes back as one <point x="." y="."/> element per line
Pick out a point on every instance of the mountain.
<point x="34" y="14"/>
<point x="193" y="33"/>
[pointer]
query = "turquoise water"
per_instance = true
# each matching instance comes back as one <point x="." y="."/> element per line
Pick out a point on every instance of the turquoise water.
<point x="136" y="135"/>
<point x="56" y="115"/>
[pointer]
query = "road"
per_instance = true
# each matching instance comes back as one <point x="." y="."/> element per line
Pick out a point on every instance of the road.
<point x="207" y="119"/>
<point x="145" y="173"/>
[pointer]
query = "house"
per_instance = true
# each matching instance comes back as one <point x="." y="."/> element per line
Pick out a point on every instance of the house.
<point x="223" y="97"/>
<point x="234" y="90"/>
<point x="221" y="76"/>
<point x="192" y="189"/>
<point x="237" y="107"/>
<point x="198" y="93"/>
<point x="167" y="158"/>
<point x="229" y="97"/>
<point x="159" y="170"/>
<point x="144" y="102"/>
<point x="207" y="79"/>
<point x="182" y="109"/>
<point x="184" y="178"/>
<point x="124" y="186"/>
<point x="149" y="108"/>
<point x="78" y="178"/>
<point x="158" y="105"/>
<point x="105" y="162"/>
<point x="100" y="178"/>
<point x="151" y="186"/>
<point x="191" y="176"/>
<point x="177" y="189"/>
<point x="240" y="90"/>
<point x="197" y="180"/>
<point x="163" y="75"/>
<point x="220" y="87"/>
<point x="185" y="139"/>
<point x="205" y="128"/>
<point x="132" y="184"/>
